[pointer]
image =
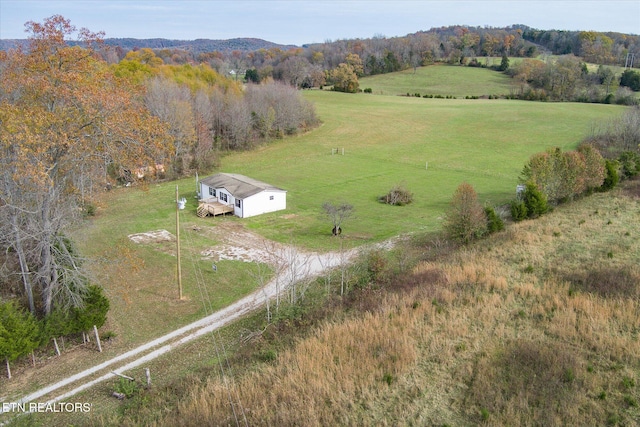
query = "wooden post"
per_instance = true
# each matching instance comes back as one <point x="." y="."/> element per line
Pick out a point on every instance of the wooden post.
<point x="95" y="331"/>
<point x="8" y="368"/>
<point x="123" y="376"/>
<point x="179" y="271"/>
<point x="148" y="373"/>
<point x="55" y="343"/>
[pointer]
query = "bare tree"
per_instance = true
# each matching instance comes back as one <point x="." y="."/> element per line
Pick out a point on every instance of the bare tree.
<point x="238" y="123"/>
<point x="297" y="272"/>
<point x="337" y="213"/>
<point x="294" y="70"/>
<point x="173" y="105"/>
<point x="262" y="274"/>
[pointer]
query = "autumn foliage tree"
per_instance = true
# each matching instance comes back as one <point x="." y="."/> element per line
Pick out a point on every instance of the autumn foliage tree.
<point x="64" y="116"/>
<point x="564" y="175"/>
<point x="465" y="220"/>
<point x="344" y="78"/>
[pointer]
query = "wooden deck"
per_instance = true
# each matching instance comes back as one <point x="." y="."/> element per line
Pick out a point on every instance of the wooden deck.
<point x="211" y="207"/>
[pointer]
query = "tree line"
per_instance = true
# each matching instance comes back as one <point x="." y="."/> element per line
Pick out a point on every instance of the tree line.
<point x="340" y="63"/>
<point x="567" y="78"/>
<point x="207" y="112"/>
<point x="603" y="159"/>
<point x="312" y="65"/>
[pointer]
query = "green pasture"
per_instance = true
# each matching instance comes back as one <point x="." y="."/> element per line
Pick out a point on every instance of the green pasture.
<point x="387" y="140"/>
<point x="442" y="80"/>
<point x="390" y="140"/>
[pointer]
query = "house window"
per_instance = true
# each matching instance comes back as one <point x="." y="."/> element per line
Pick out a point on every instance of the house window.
<point x="270" y="197"/>
<point x="238" y="202"/>
<point x="223" y="196"/>
<point x="212" y="192"/>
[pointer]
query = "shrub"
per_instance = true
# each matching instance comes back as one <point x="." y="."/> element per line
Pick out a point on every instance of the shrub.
<point x="630" y="164"/>
<point x="465" y="220"/>
<point x="560" y="176"/>
<point x="126" y="387"/>
<point x="494" y="222"/>
<point x="594" y="168"/>
<point x="518" y="210"/>
<point x="630" y="79"/>
<point x="367" y="90"/>
<point x="19" y="333"/>
<point x="378" y="269"/>
<point x="504" y="64"/>
<point x="535" y="201"/>
<point x="89" y="209"/>
<point x="397" y="196"/>
<point x="611" y="177"/>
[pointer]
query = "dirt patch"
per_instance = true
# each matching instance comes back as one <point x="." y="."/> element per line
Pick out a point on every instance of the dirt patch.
<point x="241" y="245"/>
<point x="156" y="236"/>
<point x="237" y="244"/>
<point x="235" y="253"/>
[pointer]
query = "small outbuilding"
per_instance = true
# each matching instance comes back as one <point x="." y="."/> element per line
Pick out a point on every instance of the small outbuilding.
<point x="238" y="194"/>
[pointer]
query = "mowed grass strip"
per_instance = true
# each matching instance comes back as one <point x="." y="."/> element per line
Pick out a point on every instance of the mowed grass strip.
<point x="390" y="140"/>
<point x="442" y="80"/>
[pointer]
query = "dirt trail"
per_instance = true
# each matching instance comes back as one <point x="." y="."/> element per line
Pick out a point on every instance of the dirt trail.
<point x="291" y="266"/>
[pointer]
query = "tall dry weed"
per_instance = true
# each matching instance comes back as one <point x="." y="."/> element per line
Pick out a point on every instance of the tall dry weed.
<point x="529" y="327"/>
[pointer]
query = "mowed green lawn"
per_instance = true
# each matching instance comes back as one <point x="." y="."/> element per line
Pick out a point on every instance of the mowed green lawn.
<point x="442" y="80"/>
<point x="389" y="140"/>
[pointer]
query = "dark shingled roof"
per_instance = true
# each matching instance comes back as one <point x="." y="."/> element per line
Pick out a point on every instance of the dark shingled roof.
<point x="239" y="186"/>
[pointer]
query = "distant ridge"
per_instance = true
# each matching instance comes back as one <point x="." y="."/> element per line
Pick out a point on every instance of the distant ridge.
<point x="196" y="46"/>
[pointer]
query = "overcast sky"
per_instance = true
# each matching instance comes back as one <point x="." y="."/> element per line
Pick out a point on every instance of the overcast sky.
<point x="309" y="21"/>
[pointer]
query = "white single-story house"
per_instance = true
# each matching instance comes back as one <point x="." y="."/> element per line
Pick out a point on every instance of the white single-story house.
<point x="247" y="196"/>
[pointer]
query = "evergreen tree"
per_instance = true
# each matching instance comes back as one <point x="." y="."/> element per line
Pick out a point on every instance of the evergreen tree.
<point x="504" y="64"/>
<point x="494" y="222"/>
<point x="93" y="312"/>
<point x="535" y="201"/>
<point x="612" y="177"/>
<point x="19" y="333"/>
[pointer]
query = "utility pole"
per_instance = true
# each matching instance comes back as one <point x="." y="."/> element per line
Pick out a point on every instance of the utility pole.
<point x="178" y="244"/>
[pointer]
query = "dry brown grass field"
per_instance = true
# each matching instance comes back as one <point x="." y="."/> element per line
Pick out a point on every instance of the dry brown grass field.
<point x="536" y="325"/>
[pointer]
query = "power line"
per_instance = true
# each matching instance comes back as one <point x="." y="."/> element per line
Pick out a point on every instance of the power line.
<point x="208" y="308"/>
